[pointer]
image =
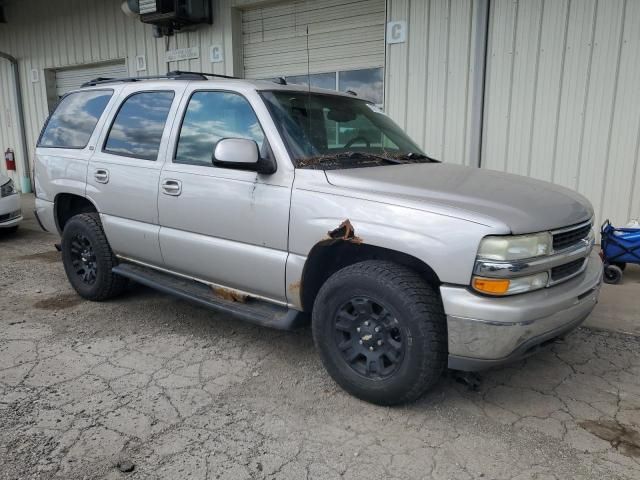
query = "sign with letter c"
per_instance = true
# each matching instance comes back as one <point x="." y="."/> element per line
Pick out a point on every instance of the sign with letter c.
<point x="397" y="32"/>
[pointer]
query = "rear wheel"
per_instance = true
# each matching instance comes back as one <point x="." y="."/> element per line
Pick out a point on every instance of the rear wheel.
<point x="381" y="332"/>
<point x="612" y="274"/>
<point x="88" y="259"/>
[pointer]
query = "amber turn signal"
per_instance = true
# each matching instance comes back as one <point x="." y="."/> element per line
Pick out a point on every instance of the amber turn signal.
<point x="492" y="286"/>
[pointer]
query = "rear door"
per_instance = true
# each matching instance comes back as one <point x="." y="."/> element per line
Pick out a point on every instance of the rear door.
<point x="123" y="174"/>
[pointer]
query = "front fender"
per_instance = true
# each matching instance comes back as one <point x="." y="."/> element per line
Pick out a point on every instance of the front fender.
<point x="447" y="244"/>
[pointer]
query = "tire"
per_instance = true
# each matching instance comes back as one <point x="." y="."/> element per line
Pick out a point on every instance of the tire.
<point x="88" y="259"/>
<point x="412" y="328"/>
<point x="620" y="265"/>
<point x="612" y="274"/>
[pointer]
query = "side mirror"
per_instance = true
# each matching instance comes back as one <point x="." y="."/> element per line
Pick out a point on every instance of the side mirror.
<point x="241" y="154"/>
<point x="236" y="153"/>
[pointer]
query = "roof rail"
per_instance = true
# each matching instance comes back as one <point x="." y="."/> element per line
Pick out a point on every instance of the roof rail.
<point x="203" y="74"/>
<point x="173" y="75"/>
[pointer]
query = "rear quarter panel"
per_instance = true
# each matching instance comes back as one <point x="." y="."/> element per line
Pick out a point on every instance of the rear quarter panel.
<point x="64" y="170"/>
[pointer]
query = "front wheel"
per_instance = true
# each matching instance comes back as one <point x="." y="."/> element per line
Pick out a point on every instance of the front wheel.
<point x="381" y="332"/>
<point x="88" y="259"/>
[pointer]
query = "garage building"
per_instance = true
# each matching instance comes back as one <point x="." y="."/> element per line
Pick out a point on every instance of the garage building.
<point x="544" y="88"/>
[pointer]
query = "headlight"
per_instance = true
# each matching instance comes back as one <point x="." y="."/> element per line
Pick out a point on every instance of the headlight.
<point x="7" y="189"/>
<point x="515" y="247"/>
<point x="510" y="286"/>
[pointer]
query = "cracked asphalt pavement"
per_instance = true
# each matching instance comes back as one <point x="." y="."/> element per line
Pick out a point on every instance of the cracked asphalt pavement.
<point x="161" y="388"/>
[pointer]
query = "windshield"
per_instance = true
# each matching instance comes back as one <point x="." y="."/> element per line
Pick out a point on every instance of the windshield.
<point x="330" y="131"/>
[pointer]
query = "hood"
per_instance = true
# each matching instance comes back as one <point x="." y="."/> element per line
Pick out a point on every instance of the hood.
<point x="523" y="204"/>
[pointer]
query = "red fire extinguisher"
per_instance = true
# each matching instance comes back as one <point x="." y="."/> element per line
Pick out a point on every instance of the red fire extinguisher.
<point x="10" y="159"/>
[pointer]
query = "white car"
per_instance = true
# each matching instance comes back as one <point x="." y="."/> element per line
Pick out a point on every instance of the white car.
<point x="10" y="212"/>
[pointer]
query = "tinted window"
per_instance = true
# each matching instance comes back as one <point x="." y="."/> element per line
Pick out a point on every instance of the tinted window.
<point x="74" y="119"/>
<point x="137" y="129"/>
<point x="211" y="116"/>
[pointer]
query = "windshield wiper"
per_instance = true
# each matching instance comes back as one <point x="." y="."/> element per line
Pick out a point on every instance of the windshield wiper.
<point x="364" y="155"/>
<point x="418" y="156"/>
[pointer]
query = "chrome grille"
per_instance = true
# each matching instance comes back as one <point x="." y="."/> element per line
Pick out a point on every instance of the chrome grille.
<point x="10" y="216"/>
<point x="569" y="237"/>
<point x="568" y="269"/>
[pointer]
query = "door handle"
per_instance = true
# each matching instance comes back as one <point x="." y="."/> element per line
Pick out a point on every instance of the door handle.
<point x="172" y="187"/>
<point x="101" y="175"/>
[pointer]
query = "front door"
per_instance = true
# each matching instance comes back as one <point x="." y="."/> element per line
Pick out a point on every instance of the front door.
<point x="225" y="226"/>
<point x="124" y="171"/>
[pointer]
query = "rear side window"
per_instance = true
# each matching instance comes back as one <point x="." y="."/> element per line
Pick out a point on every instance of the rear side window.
<point x="74" y="119"/>
<point x="137" y="129"/>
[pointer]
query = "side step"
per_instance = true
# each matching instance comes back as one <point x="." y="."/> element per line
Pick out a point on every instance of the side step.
<point x="252" y="310"/>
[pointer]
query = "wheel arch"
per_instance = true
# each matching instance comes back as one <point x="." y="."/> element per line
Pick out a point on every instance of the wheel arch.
<point x="328" y="256"/>
<point x="67" y="205"/>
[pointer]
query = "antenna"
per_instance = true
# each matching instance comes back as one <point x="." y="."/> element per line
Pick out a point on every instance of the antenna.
<point x="308" y="84"/>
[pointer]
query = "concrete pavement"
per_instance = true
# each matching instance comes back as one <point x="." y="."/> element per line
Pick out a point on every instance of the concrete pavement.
<point x="154" y="385"/>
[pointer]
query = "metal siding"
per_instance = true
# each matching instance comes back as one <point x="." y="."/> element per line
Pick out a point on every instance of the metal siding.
<point x="44" y="34"/>
<point x="562" y="96"/>
<point x="427" y="79"/>
<point x="343" y="35"/>
<point x="73" y="78"/>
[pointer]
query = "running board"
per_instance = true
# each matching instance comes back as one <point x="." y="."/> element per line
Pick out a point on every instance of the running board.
<point x="250" y="309"/>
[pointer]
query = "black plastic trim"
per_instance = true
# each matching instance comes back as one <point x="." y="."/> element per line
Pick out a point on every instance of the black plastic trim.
<point x="257" y="311"/>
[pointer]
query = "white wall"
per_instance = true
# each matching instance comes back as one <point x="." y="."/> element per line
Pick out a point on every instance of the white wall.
<point x="563" y="97"/>
<point x="429" y="78"/>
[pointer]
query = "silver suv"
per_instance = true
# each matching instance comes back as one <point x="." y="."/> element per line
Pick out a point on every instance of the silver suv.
<point x="277" y="204"/>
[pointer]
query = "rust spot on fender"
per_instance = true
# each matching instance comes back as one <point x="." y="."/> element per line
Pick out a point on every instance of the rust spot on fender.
<point x="345" y="232"/>
<point x="230" y="295"/>
<point x="295" y="287"/>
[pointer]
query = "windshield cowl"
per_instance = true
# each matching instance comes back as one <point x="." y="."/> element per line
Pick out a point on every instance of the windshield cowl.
<point x="360" y="159"/>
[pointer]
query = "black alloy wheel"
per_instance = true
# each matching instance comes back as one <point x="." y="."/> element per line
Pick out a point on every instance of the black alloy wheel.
<point x="83" y="259"/>
<point x="369" y="338"/>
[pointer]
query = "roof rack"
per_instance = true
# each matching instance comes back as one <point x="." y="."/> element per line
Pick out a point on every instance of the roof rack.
<point x="173" y="75"/>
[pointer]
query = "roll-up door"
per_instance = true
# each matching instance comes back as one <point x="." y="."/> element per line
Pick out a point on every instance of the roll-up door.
<point x="73" y="78"/>
<point x="343" y="35"/>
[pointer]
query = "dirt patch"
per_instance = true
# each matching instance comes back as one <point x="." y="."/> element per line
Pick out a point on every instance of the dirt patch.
<point x="58" y="302"/>
<point x="622" y="437"/>
<point x="45" y="257"/>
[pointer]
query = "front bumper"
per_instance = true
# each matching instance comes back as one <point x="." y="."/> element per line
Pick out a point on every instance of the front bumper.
<point x="10" y="213"/>
<point x="488" y="331"/>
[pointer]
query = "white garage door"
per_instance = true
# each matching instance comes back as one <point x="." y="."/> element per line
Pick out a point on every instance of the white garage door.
<point x="73" y="78"/>
<point x="344" y="36"/>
